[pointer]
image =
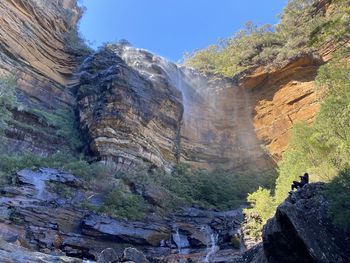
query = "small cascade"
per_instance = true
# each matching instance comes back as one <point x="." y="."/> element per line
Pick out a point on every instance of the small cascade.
<point x="177" y="240"/>
<point x="212" y="243"/>
<point x="180" y="241"/>
<point x="39" y="185"/>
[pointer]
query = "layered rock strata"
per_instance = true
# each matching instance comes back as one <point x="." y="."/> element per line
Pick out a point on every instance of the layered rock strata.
<point x="281" y="98"/>
<point x="44" y="213"/>
<point x="33" y="46"/>
<point x="138" y="108"/>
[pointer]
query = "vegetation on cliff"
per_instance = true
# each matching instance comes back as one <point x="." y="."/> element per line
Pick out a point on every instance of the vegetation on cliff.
<point x="304" y="25"/>
<point x="8" y="99"/>
<point x="321" y="149"/>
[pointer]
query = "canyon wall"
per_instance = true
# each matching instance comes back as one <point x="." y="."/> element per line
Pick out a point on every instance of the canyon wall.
<point x="282" y="97"/>
<point x="33" y="46"/>
<point x="139" y="108"/>
<point x="136" y="108"/>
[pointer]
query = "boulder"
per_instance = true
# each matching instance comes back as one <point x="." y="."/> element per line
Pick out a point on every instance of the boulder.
<point x="108" y="256"/>
<point x="132" y="254"/>
<point x="142" y="233"/>
<point x="302" y="231"/>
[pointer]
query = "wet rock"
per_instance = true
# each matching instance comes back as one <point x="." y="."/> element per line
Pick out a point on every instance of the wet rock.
<point x="108" y="256"/>
<point x="136" y="232"/>
<point x="136" y="108"/>
<point x="48" y="222"/>
<point x="132" y="254"/>
<point x="11" y="253"/>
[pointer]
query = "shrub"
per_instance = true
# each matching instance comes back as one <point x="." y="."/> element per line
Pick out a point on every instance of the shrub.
<point x="219" y="188"/>
<point x="262" y="209"/>
<point x="95" y="175"/>
<point x="65" y="124"/>
<point x="302" y="27"/>
<point x="337" y="192"/>
<point x="122" y="204"/>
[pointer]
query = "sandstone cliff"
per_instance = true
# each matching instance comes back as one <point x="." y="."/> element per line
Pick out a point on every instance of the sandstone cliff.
<point x="282" y="97"/>
<point x="137" y="108"/>
<point x="33" y="44"/>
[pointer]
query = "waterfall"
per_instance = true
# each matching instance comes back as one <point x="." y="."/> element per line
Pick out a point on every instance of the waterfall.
<point x="212" y="243"/>
<point x="177" y="240"/>
<point x="39" y="185"/>
<point x="181" y="242"/>
<point x="181" y="78"/>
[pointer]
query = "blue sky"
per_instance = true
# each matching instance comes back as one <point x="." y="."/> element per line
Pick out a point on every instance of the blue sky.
<point x="172" y="27"/>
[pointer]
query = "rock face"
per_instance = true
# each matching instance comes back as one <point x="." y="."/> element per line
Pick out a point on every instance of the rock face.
<point x="11" y="253"/>
<point x="282" y="97"/>
<point x="129" y="120"/>
<point x="33" y="44"/>
<point x="44" y="213"/>
<point x="302" y="230"/>
<point x="138" y="108"/>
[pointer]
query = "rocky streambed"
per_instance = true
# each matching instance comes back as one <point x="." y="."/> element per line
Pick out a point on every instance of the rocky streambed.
<point x="37" y="217"/>
<point x="39" y="225"/>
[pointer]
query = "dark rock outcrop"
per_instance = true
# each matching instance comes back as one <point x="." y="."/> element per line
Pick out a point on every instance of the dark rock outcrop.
<point x="132" y="254"/>
<point x="12" y="253"/>
<point x="108" y="255"/>
<point x="43" y="212"/>
<point x="302" y="231"/>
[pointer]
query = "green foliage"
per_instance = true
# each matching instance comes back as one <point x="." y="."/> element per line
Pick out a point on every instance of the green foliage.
<point x="213" y="189"/>
<point x="94" y="174"/>
<point x="236" y="241"/>
<point x="75" y="42"/>
<point x="122" y="204"/>
<point x="322" y="149"/>
<point x="233" y="55"/>
<point x="65" y="124"/>
<point x="336" y="28"/>
<point x="261" y="210"/>
<point x="8" y="99"/>
<point x="218" y="188"/>
<point x="302" y="27"/>
<point x="337" y="193"/>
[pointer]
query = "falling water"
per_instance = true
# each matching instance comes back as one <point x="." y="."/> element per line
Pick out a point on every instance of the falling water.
<point x="181" y="78"/>
<point x="39" y="185"/>
<point x="177" y="240"/>
<point x="180" y="241"/>
<point x="216" y="114"/>
<point x="212" y="243"/>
